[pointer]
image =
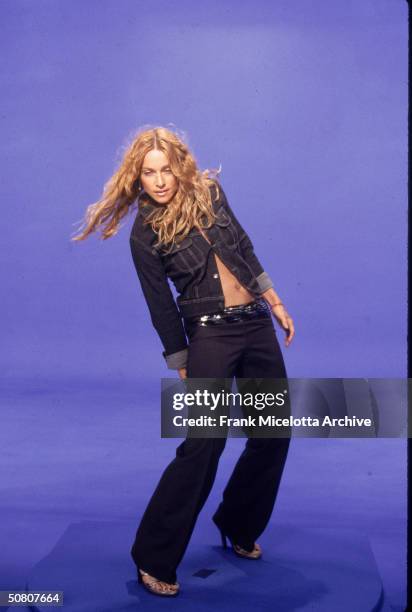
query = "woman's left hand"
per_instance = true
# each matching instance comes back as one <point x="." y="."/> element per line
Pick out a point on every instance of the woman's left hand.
<point x="286" y="322"/>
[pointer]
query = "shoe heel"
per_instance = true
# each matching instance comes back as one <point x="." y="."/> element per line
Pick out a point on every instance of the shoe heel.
<point x="223" y="538"/>
<point x="222" y="533"/>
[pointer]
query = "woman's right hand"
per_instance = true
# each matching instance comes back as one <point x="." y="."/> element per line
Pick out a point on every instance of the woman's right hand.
<point x="182" y="372"/>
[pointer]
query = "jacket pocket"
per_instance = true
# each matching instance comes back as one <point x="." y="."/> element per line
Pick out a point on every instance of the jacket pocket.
<point x="183" y="258"/>
<point x="226" y="229"/>
<point x="177" y="248"/>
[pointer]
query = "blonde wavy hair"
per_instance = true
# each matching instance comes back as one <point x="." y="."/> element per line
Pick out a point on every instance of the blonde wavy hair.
<point x="191" y="205"/>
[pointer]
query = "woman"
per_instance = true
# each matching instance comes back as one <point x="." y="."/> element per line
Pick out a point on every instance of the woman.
<point x="219" y="326"/>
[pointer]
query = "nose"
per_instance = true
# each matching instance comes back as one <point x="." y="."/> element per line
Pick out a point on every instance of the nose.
<point x="160" y="182"/>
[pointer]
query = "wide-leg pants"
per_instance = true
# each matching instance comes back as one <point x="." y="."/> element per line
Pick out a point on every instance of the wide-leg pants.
<point x="243" y="349"/>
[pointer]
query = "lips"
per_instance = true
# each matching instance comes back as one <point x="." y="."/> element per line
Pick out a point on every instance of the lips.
<point x="161" y="192"/>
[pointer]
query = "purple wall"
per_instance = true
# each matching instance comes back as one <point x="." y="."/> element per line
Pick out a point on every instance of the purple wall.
<point x="304" y="103"/>
<point x="305" y="106"/>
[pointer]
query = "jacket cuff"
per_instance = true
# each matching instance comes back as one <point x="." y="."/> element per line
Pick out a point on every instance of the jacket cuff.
<point x="177" y="360"/>
<point x="264" y="282"/>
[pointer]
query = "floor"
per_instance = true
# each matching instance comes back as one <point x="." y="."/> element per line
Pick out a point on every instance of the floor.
<point x="71" y="452"/>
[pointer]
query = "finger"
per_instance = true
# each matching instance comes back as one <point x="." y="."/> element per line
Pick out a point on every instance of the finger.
<point x="291" y="332"/>
<point x="287" y="338"/>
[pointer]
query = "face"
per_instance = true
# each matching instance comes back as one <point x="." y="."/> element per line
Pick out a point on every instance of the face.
<point x="157" y="178"/>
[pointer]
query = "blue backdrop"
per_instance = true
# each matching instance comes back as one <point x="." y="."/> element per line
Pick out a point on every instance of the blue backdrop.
<point x="304" y="104"/>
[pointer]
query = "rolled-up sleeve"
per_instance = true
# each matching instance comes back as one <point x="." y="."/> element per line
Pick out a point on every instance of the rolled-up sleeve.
<point x="246" y="246"/>
<point x="163" y="310"/>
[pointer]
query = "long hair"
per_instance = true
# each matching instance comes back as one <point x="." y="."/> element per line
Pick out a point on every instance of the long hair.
<point x="191" y="205"/>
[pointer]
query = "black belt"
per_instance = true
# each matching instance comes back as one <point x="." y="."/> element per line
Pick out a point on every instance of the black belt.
<point x="233" y="314"/>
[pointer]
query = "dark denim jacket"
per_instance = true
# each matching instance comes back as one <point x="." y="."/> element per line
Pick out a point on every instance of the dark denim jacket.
<point x="191" y="266"/>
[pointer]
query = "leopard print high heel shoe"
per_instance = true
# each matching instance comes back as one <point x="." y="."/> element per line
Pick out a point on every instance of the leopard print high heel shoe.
<point x="157" y="587"/>
<point x="254" y="554"/>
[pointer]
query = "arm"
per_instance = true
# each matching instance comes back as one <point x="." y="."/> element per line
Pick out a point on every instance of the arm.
<point x="160" y="301"/>
<point x="262" y="277"/>
<point x="265" y="283"/>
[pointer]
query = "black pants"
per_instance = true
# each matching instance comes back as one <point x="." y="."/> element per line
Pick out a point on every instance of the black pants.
<point x="243" y="349"/>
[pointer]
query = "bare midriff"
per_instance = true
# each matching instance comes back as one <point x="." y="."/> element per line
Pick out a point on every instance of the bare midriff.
<point x="233" y="291"/>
